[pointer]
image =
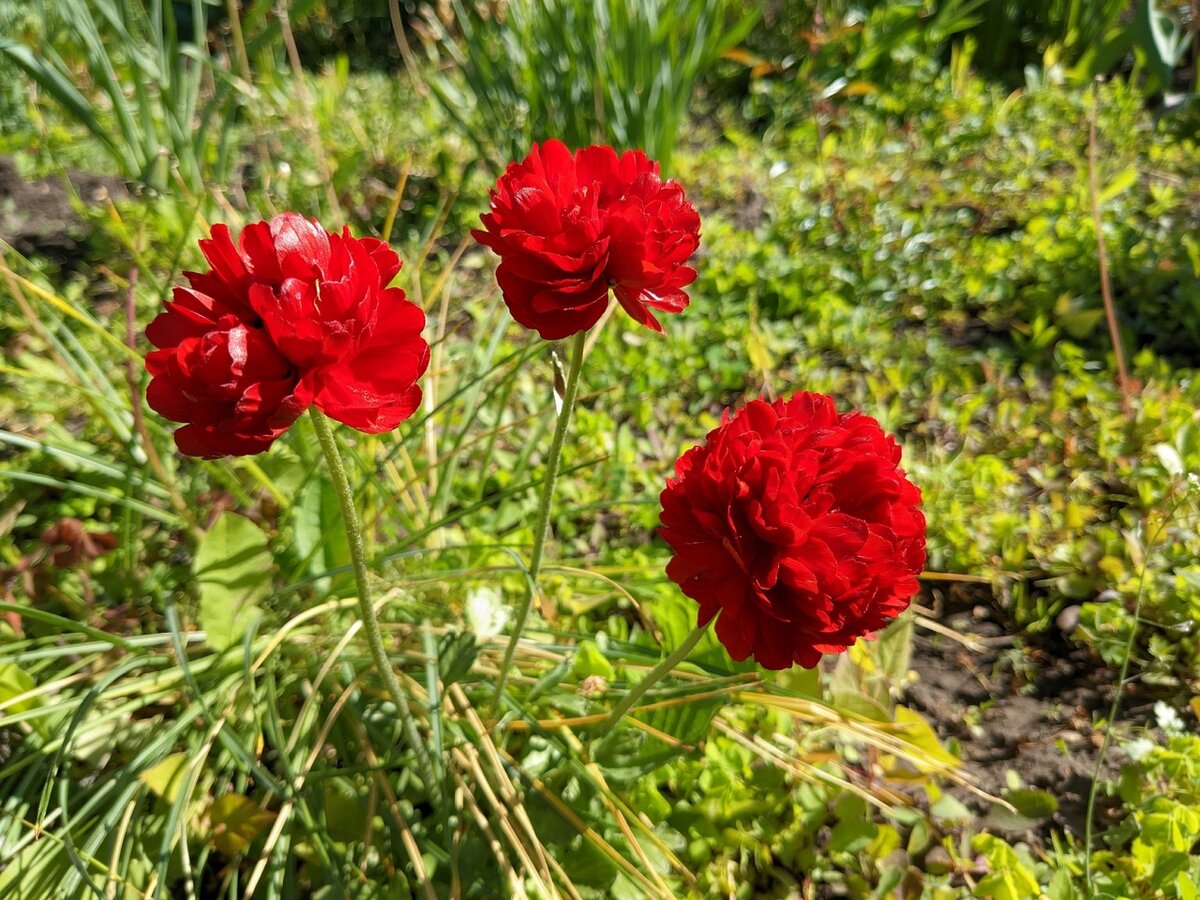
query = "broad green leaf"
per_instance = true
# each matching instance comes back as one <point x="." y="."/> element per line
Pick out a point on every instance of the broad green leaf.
<point x="855" y="829"/>
<point x="919" y="837"/>
<point x="13" y="683"/>
<point x="805" y="682"/>
<point x="1159" y="38"/>
<point x="1168" y="868"/>
<point x="851" y="835"/>
<point x="1008" y="878"/>
<point x="589" y="660"/>
<point x="167" y="777"/>
<point x="918" y="732"/>
<point x="1167" y="825"/>
<point x="689" y="723"/>
<point x="893" y="649"/>
<point x="345" y="810"/>
<point x="33" y="873"/>
<point x="1170" y="459"/>
<point x="317" y="530"/>
<point x="1060" y="887"/>
<point x="858" y="705"/>
<point x="1032" y="803"/>
<point x="1001" y="818"/>
<point x="233" y="567"/>
<point x="234" y="822"/>
<point x="647" y="798"/>
<point x="949" y="808"/>
<point x="886" y="840"/>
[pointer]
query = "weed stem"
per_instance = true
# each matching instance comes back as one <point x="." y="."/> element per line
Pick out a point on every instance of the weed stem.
<point x="358" y="555"/>
<point x="542" y="524"/>
<point x="635" y="693"/>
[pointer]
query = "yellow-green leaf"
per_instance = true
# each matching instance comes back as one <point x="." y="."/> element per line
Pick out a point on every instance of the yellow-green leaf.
<point x="13" y="683"/>
<point x="917" y="731"/>
<point x="1120" y="183"/>
<point x="235" y="821"/>
<point x="233" y="567"/>
<point x="166" y="779"/>
<point x="1009" y="879"/>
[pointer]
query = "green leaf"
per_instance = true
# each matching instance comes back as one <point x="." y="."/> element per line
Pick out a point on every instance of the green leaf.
<point x="949" y="808"/>
<point x="233" y="568"/>
<point x="235" y="821"/>
<point x="919" y="837"/>
<point x="1168" y="867"/>
<point x="13" y="683"/>
<point x="589" y="660"/>
<point x="647" y="798"/>
<point x="1120" y="183"/>
<point x="317" y="529"/>
<point x="688" y="723"/>
<point x="1001" y="818"/>
<point x="1060" y="887"/>
<point x="1159" y="39"/>
<point x="914" y="728"/>
<point x="1167" y="825"/>
<point x="167" y="777"/>
<point x="345" y="810"/>
<point x="456" y="654"/>
<point x="1008" y="879"/>
<point x="1170" y="459"/>
<point x="893" y="649"/>
<point x="1032" y="803"/>
<point x="851" y="835"/>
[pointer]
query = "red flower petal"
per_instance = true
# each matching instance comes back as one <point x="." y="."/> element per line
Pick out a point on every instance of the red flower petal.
<point x="288" y="316"/>
<point x="795" y="528"/>
<point x="568" y="226"/>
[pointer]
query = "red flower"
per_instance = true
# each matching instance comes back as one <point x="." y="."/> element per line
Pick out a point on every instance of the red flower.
<point x="567" y="227"/>
<point x="289" y="317"/>
<point x="795" y="524"/>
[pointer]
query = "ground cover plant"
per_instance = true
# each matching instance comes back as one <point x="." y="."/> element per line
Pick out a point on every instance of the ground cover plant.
<point x="471" y="471"/>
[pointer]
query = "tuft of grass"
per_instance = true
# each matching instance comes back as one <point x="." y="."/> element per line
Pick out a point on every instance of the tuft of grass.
<point x="621" y="72"/>
<point x="151" y="97"/>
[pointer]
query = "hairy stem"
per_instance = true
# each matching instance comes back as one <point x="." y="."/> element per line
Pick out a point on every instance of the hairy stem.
<point x="656" y="674"/>
<point x="542" y="524"/>
<point x="358" y="555"/>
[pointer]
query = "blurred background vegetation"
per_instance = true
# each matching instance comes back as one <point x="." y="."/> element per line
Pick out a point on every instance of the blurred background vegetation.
<point x="900" y="205"/>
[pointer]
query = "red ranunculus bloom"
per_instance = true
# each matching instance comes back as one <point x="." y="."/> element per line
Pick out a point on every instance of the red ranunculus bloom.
<point x="569" y="226"/>
<point x="794" y="524"/>
<point x="288" y="317"/>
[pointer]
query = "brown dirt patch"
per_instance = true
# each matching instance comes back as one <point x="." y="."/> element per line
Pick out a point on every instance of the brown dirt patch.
<point x="37" y="218"/>
<point x="1029" y="710"/>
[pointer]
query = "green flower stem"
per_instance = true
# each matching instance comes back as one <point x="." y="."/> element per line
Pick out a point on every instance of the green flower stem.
<point x="635" y="693"/>
<point x="542" y="524"/>
<point x="358" y="554"/>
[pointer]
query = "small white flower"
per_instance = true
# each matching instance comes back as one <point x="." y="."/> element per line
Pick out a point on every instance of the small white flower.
<point x="778" y="168"/>
<point x="486" y="613"/>
<point x="1139" y="749"/>
<point x="1168" y="720"/>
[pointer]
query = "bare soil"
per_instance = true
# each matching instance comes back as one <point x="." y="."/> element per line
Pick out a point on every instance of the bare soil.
<point x="1029" y="709"/>
<point x="38" y="218"/>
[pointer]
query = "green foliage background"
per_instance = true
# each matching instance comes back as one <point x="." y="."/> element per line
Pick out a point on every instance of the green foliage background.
<point x="885" y="218"/>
